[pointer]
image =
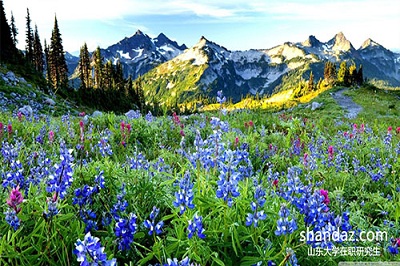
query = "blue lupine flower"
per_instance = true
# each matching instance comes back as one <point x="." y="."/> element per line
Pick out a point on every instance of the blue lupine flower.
<point x="12" y="219"/>
<point x="51" y="209"/>
<point x="14" y="177"/>
<point x="228" y="177"/>
<point x="120" y="206"/>
<point x="61" y="177"/>
<point x="103" y="145"/>
<point x="151" y="224"/>
<point x="184" y="197"/>
<point x="285" y="225"/>
<point x="256" y="207"/>
<point x="89" y="218"/>
<point x="138" y="161"/>
<point x="125" y="230"/>
<point x="149" y="117"/>
<point x="175" y="262"/>
<point x="90" y="252"/>
<point x="196" y="225"/>
<point x="292" y="258"/>
<point x="220" y="97"/>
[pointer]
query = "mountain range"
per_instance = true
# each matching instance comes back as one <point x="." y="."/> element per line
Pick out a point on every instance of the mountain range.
<point x="174" y="73"/>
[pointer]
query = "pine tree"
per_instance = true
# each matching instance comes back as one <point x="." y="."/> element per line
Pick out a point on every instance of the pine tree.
<point x="118" y="76"/>
<point x="311" y="85"/>
<point x="14" y="30"/>
<point x="138" y="87"/>
<point x="38" y="59"/>
<point x="353" y="74"/>
<point x="343" y="74"/>
<point x="58" y="72"/>
<point x="29" y="38"/>
<point x="8" y="52"/>
<point x="98" y="68"/>
<point x="329" y="72"/>
<point x="107" y="75"/>
<point x="360" y="76"/>
<point x="84" y="67"/>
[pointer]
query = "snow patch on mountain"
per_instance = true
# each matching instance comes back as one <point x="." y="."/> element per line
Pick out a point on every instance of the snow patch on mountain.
<point x="194" y="55"/>
<point x="249" y="73"/>
<point x="124" y="55"/>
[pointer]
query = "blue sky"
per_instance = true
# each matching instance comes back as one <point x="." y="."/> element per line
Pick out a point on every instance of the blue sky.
<point x="235" y="24"/>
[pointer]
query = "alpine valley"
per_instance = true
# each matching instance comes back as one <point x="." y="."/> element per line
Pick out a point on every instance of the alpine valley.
<point x="172" y="73"/>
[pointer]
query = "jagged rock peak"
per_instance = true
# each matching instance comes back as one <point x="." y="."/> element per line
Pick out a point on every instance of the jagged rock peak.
<point x="311" y="41"/>
<point x="138" y="32"/>
<point x="341" y="43"/>
<point x="369" y="42"/>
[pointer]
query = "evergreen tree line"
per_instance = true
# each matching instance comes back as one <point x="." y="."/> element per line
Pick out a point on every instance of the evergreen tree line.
<point x="35" y="62"/>
<point x="345" y="76"/>
<point x="103" y="85"/>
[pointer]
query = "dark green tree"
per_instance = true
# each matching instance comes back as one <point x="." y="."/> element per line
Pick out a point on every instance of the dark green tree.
<point x="58" y="72"/>
<point x="38" y="59"/>
<point x="360" y="76"/>
<point x="14" y="30"/>
<point x="8" y="52"/>
<point x="138" y="88"/>
<point x="29" y="39"/>
<point x="107" y="75"/>
<point x="84" y="67"/>
<point x="118" y="76"/>
<point x="311" y="85"/>
<point x="98" y="68"/>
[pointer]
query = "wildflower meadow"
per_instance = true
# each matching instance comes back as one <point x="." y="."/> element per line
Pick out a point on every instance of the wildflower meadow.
<point x="221" y="188"/>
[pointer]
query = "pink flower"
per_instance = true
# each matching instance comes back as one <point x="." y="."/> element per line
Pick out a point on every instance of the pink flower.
<point x="362" y="128"/>
<point x="15" y="199"/>
<point x="324" y="193"/>
<point x="390" y="129"/>
<point x="275" y="182"/>
<point x="128" y="127"/>
<point x="331" y="152"/>
<point x="397" y="130"/>
<point x="122" y="126"/>
<point x="9" y="128"/>
<point x="81" y="124"/>
<point x="251" y="124"/>
<point x="305" y="158"/>
<point x="81" y="114"/>
<point x="182" y="133"/>
<point x="51" y="135"/>
<point x="19" y="116"/>
<point x="236" y="141"/>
